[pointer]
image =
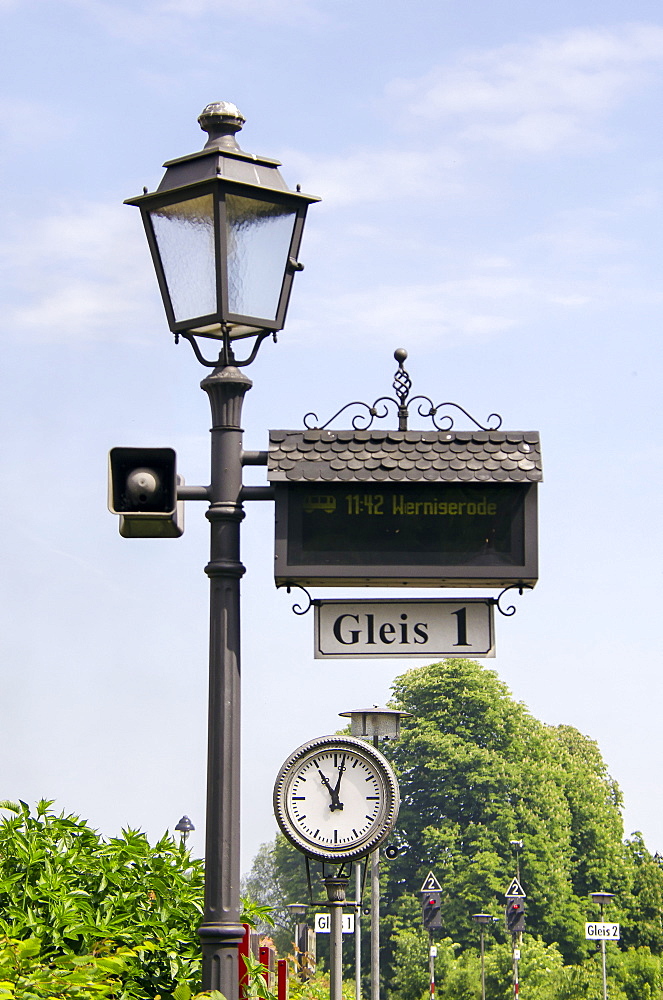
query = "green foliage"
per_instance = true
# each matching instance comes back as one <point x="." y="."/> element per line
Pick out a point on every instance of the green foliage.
<point x="317" y="988"/>
<point x="26" y="974"/>
<point x="476" y="771"/>
<point x="117" y="901"/>
<point x="409" y="979"/>
<point x="638" y="973"/>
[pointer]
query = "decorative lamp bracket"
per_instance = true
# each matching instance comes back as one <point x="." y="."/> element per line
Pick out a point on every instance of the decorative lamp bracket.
<point x="227" y="355"/>
<point x="511" y="609"/>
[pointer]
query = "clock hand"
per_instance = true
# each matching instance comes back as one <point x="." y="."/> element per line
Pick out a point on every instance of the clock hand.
<point x="325" y="782"/>
<point x="339" y="804"/>
<point x="334" y="804"/>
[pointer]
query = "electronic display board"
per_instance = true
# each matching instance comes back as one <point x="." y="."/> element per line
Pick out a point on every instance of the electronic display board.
<point x="424" y="534"/>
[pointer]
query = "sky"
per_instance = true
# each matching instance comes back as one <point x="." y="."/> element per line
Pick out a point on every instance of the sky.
<point x="491" y="176"/>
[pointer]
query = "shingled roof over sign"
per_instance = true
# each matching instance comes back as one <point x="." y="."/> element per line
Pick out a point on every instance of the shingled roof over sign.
<point x="416" y="456"/>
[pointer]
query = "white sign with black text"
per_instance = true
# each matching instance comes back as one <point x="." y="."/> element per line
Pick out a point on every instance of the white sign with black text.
<point x="601" y="931"/>
<point x="323" y="923"/>
<point x="409" y="627"/>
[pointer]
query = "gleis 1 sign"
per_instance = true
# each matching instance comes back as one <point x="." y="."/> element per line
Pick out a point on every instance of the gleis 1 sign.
<point x="364" y="628"/>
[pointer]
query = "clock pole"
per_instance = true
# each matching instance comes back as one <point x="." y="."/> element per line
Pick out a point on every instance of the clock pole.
<point x="336" y="887"/>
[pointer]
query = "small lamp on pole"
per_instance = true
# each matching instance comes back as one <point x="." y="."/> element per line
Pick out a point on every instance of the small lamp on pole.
<point x="602" y="899"/>
<point x="483" y="919"/>
<point x="374" y="724"/>
<point x="185" y="827"/>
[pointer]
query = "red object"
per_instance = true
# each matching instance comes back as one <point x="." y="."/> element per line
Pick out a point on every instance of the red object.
<point x="244" y="949"/>
<point x="282" y="979"/>
<point x="267" y="957"/>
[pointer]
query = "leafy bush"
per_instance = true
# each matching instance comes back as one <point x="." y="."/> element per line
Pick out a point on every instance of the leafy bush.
<point x="117" y="901"/>
<point x="25" y="974"/>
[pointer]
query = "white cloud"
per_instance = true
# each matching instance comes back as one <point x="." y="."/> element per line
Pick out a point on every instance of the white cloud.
<point x="494" y="296"/>
<point x="478" y="307"/>
<point x="536" y="96"/>
<point x="80" y="274"/>
<point x="552" y="93"/>
<point x="146" y="20"/>
<point x="378" y="175"/>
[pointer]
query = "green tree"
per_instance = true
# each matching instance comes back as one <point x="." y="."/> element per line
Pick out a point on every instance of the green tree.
<point x="637" y="972"/>
<point x="642" y="906"/>
<point x="477" y="771"/>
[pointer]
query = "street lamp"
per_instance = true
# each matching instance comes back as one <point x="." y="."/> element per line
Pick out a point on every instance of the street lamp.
<point x="517" y="846"/>
<point x="224" y="231"/>
<point x="483" y="919"/>
<point x="602" y="899"/>
<point x="185" y="826"/>
<point x="375" y="724"/>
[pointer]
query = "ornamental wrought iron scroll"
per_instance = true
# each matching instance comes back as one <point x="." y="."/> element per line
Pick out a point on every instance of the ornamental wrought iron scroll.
<point x="402" y="385"/>
<point x="507" y="611"/>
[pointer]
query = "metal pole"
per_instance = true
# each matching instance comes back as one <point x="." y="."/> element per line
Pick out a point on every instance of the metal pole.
<point x="605" y="980"/>
<point x="483" y="968"/>
<point x="375" y="914"/>
<point x="432" y="952"/>
<point x="220" y="931"/>
<point x="358" y="931"/>
<point x="336" y="895"/>
<point x="516" y="956"/>
<point x="375" y="925"/>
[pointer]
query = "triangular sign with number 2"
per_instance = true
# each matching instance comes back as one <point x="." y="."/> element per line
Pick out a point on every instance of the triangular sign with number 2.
<point x="515" y="890"/>
<point x="431" y="884"/>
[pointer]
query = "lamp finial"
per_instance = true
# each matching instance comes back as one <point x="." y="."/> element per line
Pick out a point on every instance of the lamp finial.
<point x="221" y="120"/>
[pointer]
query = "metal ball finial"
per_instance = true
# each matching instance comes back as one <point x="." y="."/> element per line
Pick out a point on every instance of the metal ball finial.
<point x="221" y="120"/>
<point x="400" y="354"/>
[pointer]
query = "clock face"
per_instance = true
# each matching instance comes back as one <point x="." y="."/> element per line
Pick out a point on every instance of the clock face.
<point x="336" y="798"/>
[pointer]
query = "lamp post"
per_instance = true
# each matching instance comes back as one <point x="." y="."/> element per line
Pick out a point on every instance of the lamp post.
<point x="482" y="919"/>
<point x="375" y="724"/>
<point x="602" y="899"/>
<point x="517" y="846"/>
<point x="185" y="826"/>
<point x="224" y="232"/>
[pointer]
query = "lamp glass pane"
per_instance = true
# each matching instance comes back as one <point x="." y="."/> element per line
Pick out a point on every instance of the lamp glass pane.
<point x="185" y="236"/>
<point x="258" y="235"/>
